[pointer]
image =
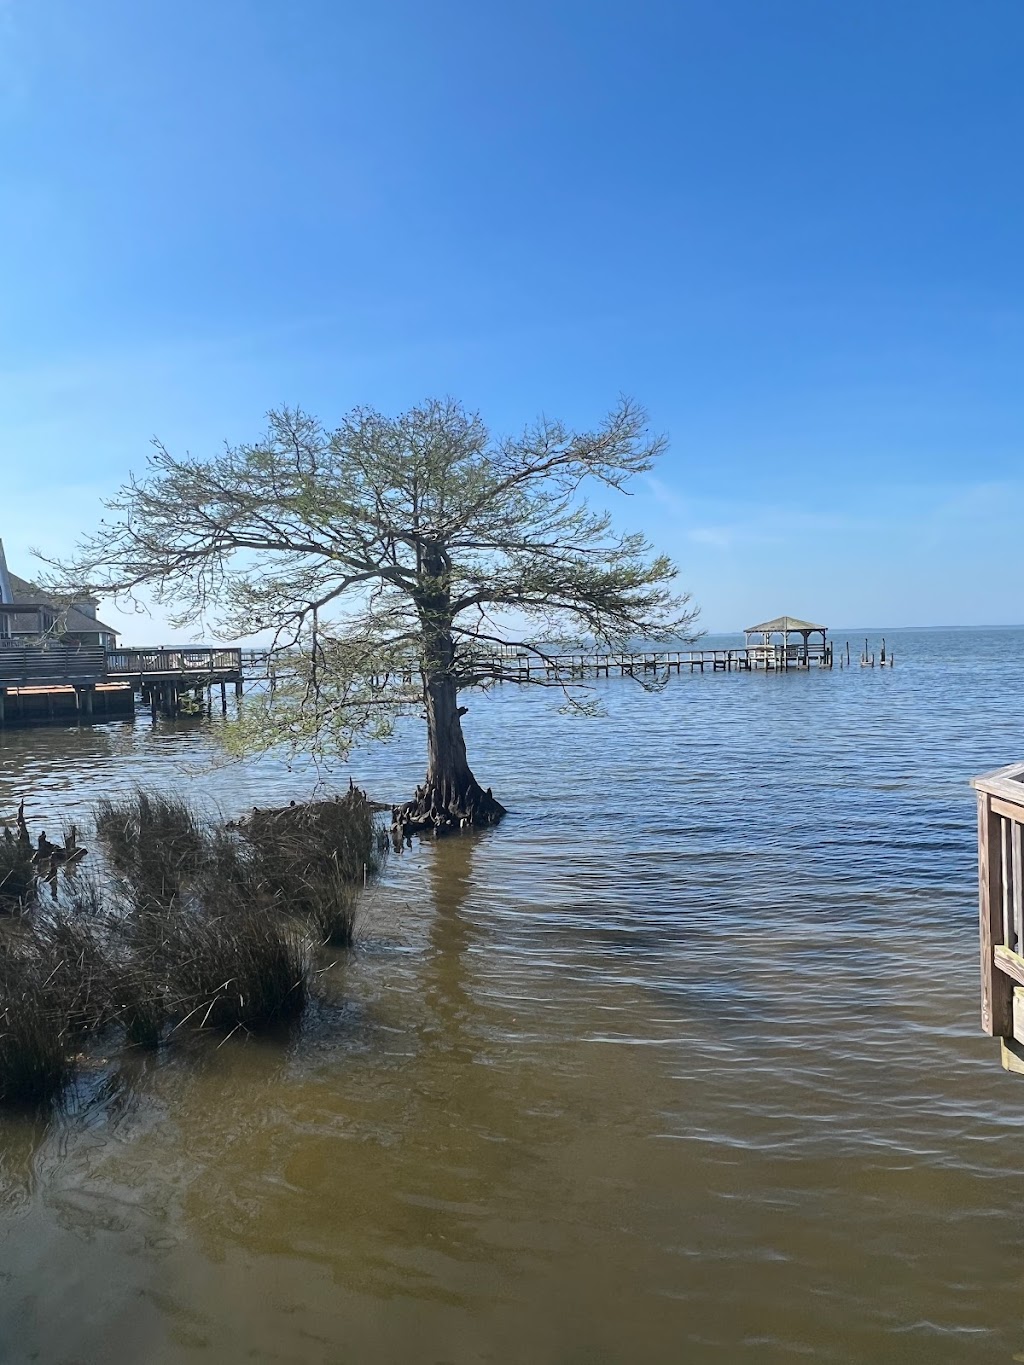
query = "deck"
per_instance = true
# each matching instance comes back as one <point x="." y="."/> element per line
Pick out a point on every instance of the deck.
<point x="41" y="684"/>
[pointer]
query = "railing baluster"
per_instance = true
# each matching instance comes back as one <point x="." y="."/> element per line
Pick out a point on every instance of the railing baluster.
<point x="1016" y="889"/>
<point x="1004" y="882"/>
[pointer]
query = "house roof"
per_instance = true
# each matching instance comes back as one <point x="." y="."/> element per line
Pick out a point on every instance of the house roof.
<point x="781" y="624"/>
<point x="73" y="621"/>
<point x="6" y="595"/>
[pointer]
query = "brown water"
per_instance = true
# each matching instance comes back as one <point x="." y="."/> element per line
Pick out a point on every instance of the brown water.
<point x="680" y="1063"/>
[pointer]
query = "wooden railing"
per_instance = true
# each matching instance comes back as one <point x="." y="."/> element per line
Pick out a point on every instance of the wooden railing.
<point x="52" y="665"/>
<point x="201" y="660"/>
<point x="515" y="664"/>
<point x="1001" y="897"/>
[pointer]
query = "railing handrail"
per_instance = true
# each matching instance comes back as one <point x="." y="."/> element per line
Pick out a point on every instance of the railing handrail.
<point x="54" y="664"/>
<point x="174" y="659"/>
<point x="1007" y="783"/>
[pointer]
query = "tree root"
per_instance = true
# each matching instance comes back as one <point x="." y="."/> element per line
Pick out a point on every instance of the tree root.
<point x="445" y="808"/>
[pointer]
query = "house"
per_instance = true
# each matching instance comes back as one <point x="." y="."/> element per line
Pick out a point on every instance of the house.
<point x="29" y="615"/>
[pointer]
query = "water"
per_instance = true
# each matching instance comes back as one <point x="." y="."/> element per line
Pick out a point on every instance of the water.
<point x="680" y="1063"/>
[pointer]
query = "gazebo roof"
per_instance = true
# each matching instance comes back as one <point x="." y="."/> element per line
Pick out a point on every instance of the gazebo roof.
<point x="782" y="624"/>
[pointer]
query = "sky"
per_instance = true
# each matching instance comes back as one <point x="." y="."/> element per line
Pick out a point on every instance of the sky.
<point x="791" y="229"/>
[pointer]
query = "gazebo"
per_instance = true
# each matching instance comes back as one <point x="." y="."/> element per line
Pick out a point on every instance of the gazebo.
<point x="781" y="652"/>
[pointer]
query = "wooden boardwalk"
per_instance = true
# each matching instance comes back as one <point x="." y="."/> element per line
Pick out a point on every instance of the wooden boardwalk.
<point x="600" y="663"/>
<point x="162" y="677"/>
<point x="68" y="681"/>
<point x="514" y="665"/>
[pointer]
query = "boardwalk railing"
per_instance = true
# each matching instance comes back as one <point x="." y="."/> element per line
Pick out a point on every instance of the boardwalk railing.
<point x="513" y="663"/>
<point x="605" y="664"/>
<point x="1001" y="900"/>
<point x="200" y="661"/>
<point x="52" y="665"/>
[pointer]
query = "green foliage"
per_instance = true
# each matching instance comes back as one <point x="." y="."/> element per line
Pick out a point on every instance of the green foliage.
<point x="389" y="556"/>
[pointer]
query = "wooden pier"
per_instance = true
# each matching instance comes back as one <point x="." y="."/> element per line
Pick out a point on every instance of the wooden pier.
<point x="58" y="684"/>
<point x="62" y="683"/>
<point x="53" y="683"/>
<point x="598" y="664"/>
<point x="163" y="677"/>
<point x="516" y="665"/>
<point x="1001" y="908"/>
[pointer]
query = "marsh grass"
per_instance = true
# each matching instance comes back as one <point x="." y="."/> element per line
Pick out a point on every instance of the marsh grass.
<point x="313" y="857"/>
<point x="34" y="1057"/>
<point x="338" y="836"/>
<point x="241" y="969"/>
<point x="155" y="842"/>
<point x="201" y="926"/>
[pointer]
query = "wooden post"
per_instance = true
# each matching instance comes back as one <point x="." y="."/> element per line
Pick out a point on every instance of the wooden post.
<point x="996" y="988"/>
<point x="223" y="697"/>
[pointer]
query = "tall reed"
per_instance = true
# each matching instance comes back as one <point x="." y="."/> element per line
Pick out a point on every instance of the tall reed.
<point x="34" y="1053"/>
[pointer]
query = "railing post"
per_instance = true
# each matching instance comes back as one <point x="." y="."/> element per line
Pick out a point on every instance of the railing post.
<point x="996" y="987"/>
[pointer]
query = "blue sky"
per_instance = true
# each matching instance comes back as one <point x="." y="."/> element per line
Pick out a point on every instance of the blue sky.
<point x="793" y="229"/>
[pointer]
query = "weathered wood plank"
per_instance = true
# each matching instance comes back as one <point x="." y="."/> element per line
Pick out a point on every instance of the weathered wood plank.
<point x="1005" y="882"/>
<point x="1009" y="809"/>
<point x="1011" y="965"/>
<point x="1006" y="783"/>
<point x="1012" y="1056"/>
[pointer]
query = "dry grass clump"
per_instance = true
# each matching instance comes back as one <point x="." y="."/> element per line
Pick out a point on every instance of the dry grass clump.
<point x="68" y="946"/>
<point x="312" y="857"/>
<point x="203" y="926"/>
<point x="241" y="969"/>
<point x="331" y="904"/>
<point x="339" y="836"/>
<point x="154" y="841"/>
<point x="34" y="1061"/>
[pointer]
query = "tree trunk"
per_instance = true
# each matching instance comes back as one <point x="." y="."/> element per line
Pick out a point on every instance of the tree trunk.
<point x="450" y="798"/>
<point x="450" y="783"/>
